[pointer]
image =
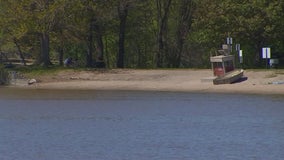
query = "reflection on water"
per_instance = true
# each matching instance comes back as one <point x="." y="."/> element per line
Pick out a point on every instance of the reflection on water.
<point x="87" y="125"/>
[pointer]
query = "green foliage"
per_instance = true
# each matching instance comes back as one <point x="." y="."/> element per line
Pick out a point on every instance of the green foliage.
<point x="193" y="30"/>
<point x="37" y="71"/>
<point x="254" y="25"/>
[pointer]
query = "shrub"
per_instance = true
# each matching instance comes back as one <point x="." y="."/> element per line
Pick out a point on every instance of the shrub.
<point x="4" y="76"/>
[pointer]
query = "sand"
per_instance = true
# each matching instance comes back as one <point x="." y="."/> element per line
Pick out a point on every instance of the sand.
<point x="180" y="80"/>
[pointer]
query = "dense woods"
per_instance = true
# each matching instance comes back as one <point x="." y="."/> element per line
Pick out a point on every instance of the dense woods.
<point x="139" y="33"/>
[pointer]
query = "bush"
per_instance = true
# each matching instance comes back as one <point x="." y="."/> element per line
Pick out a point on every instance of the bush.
<point x="4" y="76"/>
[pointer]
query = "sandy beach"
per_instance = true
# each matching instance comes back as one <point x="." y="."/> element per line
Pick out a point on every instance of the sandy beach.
<point x="181" y="80"/>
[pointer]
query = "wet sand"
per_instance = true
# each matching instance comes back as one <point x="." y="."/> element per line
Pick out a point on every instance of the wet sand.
<point x="181" y="80"/>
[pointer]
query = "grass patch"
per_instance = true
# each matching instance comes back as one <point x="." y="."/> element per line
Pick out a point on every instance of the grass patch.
<point x="36" y="71"/>
<point x="4" y="76"/>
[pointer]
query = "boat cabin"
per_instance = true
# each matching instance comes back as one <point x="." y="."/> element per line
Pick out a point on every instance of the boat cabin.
<point x="222" y="64"/>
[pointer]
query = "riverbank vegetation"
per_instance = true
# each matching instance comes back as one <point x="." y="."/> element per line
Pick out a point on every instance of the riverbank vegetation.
<point x="138" y="34"/>
<point x="4" y="76"/>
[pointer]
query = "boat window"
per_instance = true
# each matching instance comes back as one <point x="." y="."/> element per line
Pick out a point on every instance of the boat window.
<point x="229" y="66"/>
<point x="217" y="65"/>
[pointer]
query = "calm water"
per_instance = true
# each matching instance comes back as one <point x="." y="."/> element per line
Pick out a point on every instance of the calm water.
<point x="90" y="125"/>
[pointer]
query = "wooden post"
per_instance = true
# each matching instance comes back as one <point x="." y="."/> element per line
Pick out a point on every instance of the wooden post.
<point x="223" y="65"/>
<point x="212" y="66"/>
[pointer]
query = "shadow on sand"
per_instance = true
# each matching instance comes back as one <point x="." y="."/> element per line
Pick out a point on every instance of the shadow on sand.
<point x="241" y="80"/>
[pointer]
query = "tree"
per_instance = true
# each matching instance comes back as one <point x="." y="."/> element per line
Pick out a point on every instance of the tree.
<point x="42" y="20"/>
<point x="163" y="11"/>
<point x="132" y="33"/>
<point x="185" y="18"/>
<point x="254" y="25"/>
<point x="122" y="8"/>
<point x="12" y="24"/>
<point x="87" y="24"/>
<point x="141" y="44"/>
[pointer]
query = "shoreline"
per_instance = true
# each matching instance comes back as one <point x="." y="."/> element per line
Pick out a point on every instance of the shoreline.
<point x="178" y="80"/>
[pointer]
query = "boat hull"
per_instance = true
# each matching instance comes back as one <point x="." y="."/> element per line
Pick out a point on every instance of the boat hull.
<point x="229" y="78"/>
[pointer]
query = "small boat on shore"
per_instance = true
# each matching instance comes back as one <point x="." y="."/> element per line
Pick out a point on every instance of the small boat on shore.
<point x="223" y="67"/>
<point x="230" y="77"/>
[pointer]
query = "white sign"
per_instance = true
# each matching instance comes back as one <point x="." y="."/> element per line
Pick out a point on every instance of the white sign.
<point x="238" y="47"/>
<point x="240" y="53"/>
<point x="241" y="56"/>
<point x="266" y="53"/>
<point x="229" y="40"/>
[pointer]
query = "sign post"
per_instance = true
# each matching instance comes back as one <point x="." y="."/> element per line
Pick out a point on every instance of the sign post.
<point x="241" y="56"/>
<point x="230" y="42"/>
<point x="238" y="47"/>
<point x="266" y="54"/>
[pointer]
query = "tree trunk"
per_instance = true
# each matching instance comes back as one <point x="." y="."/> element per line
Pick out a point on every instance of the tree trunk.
<point x="163" y="15"/>
<point x="258" y="55"/>
<point x="123" y="12"/>
<point x="20" y="52"/>
<point x="99" y="43"/>
<point x="99" y="48"/>
<point x="107" y="54"/>
<point x="184" y="25"/>
<point x="61" y="54"/>
<point x="90" y="41"/>
<point x="61" y="48"/>
<point x="44" y="41"/>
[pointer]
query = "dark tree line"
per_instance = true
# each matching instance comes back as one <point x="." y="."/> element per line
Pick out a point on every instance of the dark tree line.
<point x="139" y="33"/>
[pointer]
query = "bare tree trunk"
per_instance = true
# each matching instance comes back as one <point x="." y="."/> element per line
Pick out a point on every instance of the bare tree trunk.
<point x="61" y="54"/>
<point x="61" y="48"/>
<point x="20" y="52"/>
<point x="90" y="41"/>
<point x="44" y="41"/>
<point x="107" y="54"/>
<point x="100" y="45"/>
<point x="184" y="25"/>
<point x="163" y="15"/>
<point x="123" y="12"/>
